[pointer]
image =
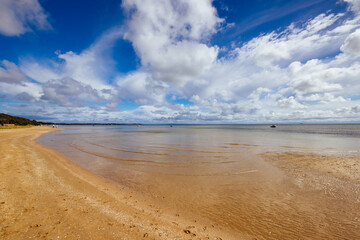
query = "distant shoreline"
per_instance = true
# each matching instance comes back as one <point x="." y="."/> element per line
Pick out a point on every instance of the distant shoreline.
<point x="203" y="124"/>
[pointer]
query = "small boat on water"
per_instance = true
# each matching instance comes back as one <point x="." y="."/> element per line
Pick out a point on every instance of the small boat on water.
<point x="273" y="126"/>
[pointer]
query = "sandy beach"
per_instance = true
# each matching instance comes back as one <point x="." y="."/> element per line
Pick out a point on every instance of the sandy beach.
<point x="180" y="119"/>
<point x="45" y="196"/>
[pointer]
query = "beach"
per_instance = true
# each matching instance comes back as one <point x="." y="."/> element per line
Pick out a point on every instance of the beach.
<point x="180" y="119"/>
<point x="45" y="196"/>
<point x="279" y="194"/>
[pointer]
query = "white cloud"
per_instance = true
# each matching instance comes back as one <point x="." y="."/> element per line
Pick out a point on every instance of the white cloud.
<point x="14" y="82"/>
<point x="295" y="42"/>
<point x="82" y="67"/>
<point x="305" y="72"/>
<point x="69" y="92"/>
<point x="32" y="89"/>
<point x="10" y="73"/>
<point x="290" y="102"/>
<point x="354" y="5"/>
<point x="273" y="62"/>
<point x="92" y="66"/>
<point x="287" y="66"/>
<point x="352" y="43"/>
<point x="111" y="105"/>
<point x="140" y="87"/>
<point x="41" y="71"/>
<point x="75" y="78"/>
<point x="169" y="37"/>
<point x="20" y="16"/>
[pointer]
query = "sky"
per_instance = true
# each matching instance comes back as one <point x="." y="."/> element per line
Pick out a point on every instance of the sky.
<point x="181" y="61"/>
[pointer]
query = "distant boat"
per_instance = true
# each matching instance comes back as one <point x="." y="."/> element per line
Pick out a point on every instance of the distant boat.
<point x="273" y="126"/>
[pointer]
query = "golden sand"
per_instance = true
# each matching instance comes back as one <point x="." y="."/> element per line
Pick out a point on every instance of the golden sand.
<point x="45" y="196"/>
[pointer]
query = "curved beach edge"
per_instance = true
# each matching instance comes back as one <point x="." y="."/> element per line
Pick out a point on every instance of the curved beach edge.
<point x="45" y="195"/>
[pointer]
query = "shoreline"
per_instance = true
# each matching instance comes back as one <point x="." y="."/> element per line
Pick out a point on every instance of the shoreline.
<point x="45" y="195"/>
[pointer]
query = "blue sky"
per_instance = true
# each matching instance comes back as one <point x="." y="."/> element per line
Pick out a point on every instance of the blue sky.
<point x="181" y="61"/>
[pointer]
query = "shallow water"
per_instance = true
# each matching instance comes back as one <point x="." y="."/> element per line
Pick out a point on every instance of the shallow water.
<point x="214" y="172"/>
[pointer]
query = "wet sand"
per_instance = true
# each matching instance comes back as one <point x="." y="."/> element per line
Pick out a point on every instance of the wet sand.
<point x="45" y="196"/>
<point x="278" y="195"/>
<point x="326" y="185"/>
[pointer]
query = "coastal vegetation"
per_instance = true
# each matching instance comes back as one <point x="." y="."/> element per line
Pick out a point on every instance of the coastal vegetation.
<point x="8" y="121"/>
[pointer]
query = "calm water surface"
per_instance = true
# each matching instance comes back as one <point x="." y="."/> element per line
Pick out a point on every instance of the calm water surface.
<point x="214" y="172"/>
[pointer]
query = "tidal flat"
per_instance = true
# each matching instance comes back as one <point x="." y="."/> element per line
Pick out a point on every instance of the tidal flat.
<point x="249" y="181"/>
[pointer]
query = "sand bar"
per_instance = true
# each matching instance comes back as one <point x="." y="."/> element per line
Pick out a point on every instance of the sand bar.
<point x="45" y="196"/>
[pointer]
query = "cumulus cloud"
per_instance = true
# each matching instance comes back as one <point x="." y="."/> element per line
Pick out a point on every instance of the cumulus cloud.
<point x="282" y="73"/>
<point x="352" y="43"/>
<point x="20" y="16"/>
<point x="25" y="97"/>
<point x="75" y="78"/>
<point x="10" y="73"/>
<point x="14" y="82"/>
<point x="67" y="90"/>
<point x="354" y="5"/>
<point x="170" y="37"/>
<point x="304" y="72"/>
<point x="312" y="77"/>
<point x="140" y="87"/>
<point x="30" y="88"/>
<point x="274" y="61"/>
<point x="290" y="102"/>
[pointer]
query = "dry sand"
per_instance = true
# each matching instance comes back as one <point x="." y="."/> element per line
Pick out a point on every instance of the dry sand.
<point x="45" y="196"/>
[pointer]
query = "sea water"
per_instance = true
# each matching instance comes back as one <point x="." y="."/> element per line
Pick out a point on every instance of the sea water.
<point x="215" y="172"/>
